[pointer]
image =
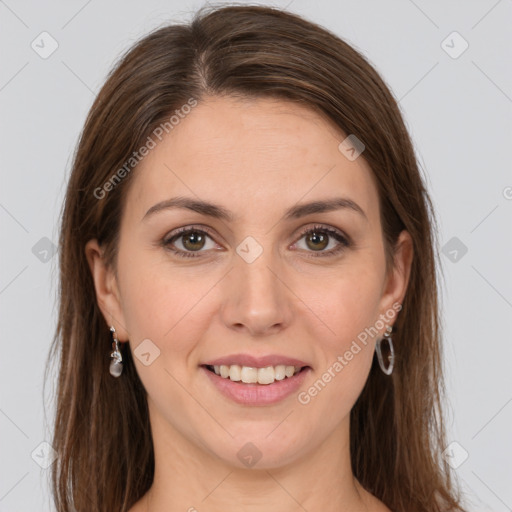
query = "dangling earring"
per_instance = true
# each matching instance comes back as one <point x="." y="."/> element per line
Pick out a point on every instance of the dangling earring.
<point x="391" y="357"/>
<point x="116" y="365"/>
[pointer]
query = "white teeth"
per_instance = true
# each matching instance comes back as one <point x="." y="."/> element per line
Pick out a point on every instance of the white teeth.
<point x="234" y="372"/>
<point x="251" y="375"/>
<point x="266" y="375"/>
<point x="280" y="372"/>
<point x="289" y="371"/>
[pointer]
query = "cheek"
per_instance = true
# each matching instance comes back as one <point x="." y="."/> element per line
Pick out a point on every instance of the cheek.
<point x="163" y="306"/>
<point x="350" y="309"/>
<point x="150" y="302"/>
<point x="158" y="306"/>
<point x="350" y="305"/>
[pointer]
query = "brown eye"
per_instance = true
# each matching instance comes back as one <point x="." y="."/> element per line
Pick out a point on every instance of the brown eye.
<point x="187" y="241"/>
<point x="320" y="237"/>
<point x="316" y="240"/>
<point x="193" y="241"/>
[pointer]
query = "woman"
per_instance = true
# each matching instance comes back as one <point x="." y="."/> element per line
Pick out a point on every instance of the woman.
<point x="248" y="299"/>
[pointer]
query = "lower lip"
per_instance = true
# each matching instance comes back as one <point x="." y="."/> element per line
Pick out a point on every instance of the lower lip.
<point x="257" y="394"/>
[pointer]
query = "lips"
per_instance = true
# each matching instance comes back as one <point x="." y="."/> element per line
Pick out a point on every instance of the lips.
<point x="256" y="380"/>
<point x="256" y="394"/>
<point x="255" y="362"/>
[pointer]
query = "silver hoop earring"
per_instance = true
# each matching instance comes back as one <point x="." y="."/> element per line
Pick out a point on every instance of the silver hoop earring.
<point x="116" y="365"/>
<point x="391" y="357"/>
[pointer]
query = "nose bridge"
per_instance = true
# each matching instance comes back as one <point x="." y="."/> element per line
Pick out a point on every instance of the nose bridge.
<point x="258" y="299"/>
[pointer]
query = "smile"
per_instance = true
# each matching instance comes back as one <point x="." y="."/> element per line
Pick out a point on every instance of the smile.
<point x="252" y="375"/>
<point x="255" y="386"/>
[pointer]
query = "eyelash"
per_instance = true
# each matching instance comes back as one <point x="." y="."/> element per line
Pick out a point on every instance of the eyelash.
<point x="343" y="241"/>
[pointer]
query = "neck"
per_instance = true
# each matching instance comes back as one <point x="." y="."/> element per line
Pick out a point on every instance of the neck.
<point x="191" y="478"/>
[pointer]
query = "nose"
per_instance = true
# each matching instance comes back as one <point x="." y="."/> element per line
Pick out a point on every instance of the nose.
<point x="257" y="300"/>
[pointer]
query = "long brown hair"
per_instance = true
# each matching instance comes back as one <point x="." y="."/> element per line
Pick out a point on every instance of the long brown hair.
<point x="102" y="431"/>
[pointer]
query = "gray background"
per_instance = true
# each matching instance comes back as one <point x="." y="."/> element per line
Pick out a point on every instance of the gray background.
<point x="458" y="111"/>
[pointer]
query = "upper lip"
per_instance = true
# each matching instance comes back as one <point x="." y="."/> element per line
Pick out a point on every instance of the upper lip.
<point x="256" y="362"/>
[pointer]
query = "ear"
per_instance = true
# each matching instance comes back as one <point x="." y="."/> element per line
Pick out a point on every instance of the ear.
<point x="107" y="290"/>
<point x="398" y="277"/>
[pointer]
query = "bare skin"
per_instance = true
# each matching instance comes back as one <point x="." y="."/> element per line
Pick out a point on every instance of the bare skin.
<point x="256" y="158"/>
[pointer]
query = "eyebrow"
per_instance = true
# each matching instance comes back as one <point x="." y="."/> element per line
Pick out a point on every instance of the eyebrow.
<point x="221" y="213"/>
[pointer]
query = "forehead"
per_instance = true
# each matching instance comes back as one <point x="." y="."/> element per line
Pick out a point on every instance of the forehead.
<point x="254" y="156"/>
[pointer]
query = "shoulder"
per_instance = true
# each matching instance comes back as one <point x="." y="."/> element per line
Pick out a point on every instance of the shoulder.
<point x="374" y="504"/>
<point x="139" y="506"/>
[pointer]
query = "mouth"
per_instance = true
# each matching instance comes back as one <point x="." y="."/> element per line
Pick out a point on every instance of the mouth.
<point x="254" y="375"/>
<point x="257" y="385"/>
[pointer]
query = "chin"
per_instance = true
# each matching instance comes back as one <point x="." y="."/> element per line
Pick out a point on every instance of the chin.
<point x="263" y="450"/>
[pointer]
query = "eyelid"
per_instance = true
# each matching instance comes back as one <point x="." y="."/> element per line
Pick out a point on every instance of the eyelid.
<point x="344" y="241"/>
<point x="176" y="233"/>
<point x="324" y="227"/>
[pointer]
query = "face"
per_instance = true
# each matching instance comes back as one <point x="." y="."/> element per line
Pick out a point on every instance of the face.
<point x="259" y="287"/>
